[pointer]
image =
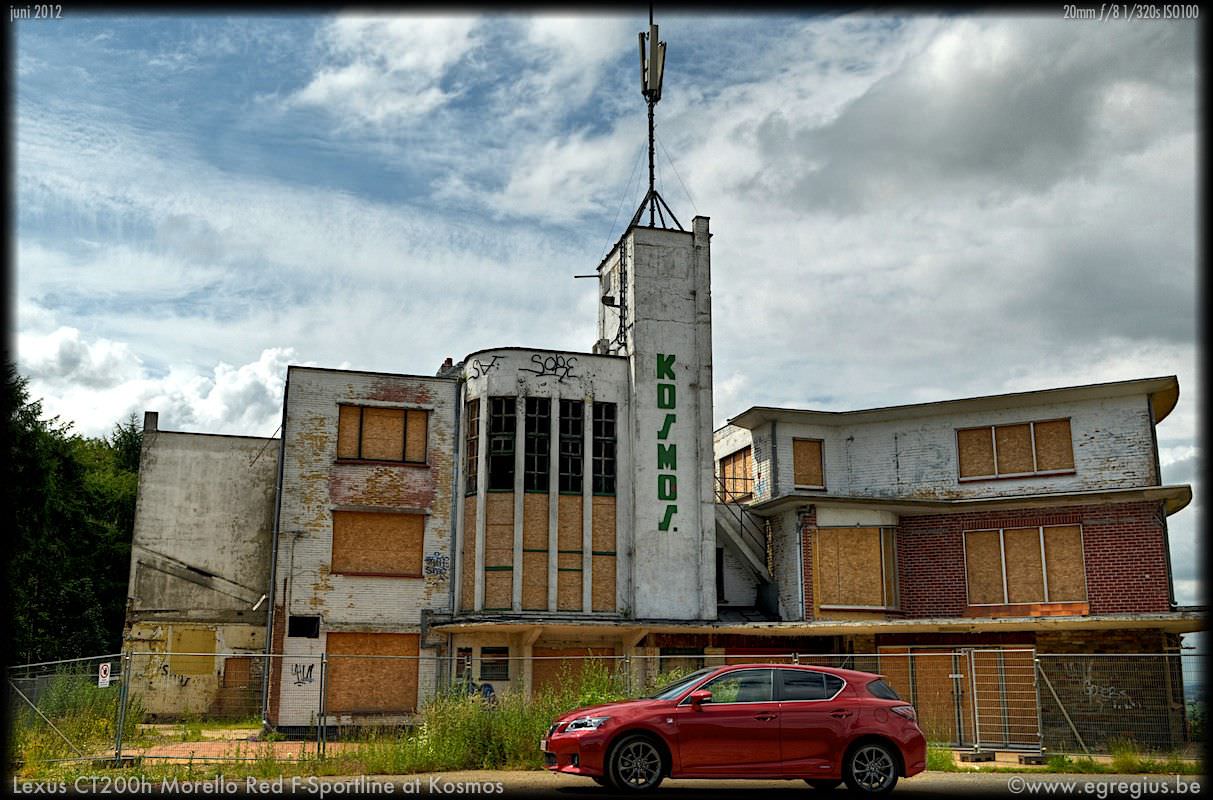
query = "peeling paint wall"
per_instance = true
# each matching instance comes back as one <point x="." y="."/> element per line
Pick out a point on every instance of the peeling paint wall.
<point x="316" y="483"/>
<point x="916" y="458"/>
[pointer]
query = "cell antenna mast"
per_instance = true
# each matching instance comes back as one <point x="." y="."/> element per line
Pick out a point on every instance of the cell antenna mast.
<point x="652" y="69"/>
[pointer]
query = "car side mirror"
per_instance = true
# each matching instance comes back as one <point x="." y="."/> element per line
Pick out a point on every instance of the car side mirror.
<point x="699" y="697"/>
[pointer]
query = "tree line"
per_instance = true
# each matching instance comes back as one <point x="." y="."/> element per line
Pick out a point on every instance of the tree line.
<point x="72" y="504"/>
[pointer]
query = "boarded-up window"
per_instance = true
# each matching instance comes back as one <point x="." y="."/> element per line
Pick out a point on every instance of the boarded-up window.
<point x="983" y="565"/>
<point x="377" y="543"/>
<point x="371" y="673"/>
<point x="471" y="445"/>
<point x="1041" y="565"/>
<point x="1066" y="570"/>
<point x="856" y="567"/>
<point x="371" y="433"/>
<point x="1025" y="573"/>
<point x="735" y="475"/>
<point x="807" y="468"/>
<point x="1054" y="450"/>
<point x="187" y="649"/>
<point x="1024" y="448"/>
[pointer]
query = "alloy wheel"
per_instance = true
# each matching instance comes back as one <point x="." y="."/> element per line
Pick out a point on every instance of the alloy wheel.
<point x="873" y="769"/>
<point x="637" y="764"/>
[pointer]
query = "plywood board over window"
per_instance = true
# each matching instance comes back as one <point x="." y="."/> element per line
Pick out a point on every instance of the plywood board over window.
<point x="807" y="467"/>
<point x="386" y="683"/>
<point x="186" y="646"/>
<point x="467" y="554"/>
<point x="855" y="567"/>
<point x="983" y="564"/>
<point x="375" y="433"/>
<point x="378" y="543"/>
<point x="1025" y="573"/>
<point x="976" y="450"/>
<point x="1054" y="448"/>
<point x="1014" y="443"/>
<point x="1066" y="570"/>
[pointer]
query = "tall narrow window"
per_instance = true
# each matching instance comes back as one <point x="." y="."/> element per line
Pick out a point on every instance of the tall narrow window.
<point x="471" y="446"/>
<point x="735" y="476"/>
<point x="572" y="445"/>
<point x="604" y="448"/>
<point x="502" y="427"/>
<point x="538" y="445"/>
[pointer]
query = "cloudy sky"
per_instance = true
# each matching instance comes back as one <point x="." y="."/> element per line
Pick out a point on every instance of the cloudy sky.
<point x="904" y="208"/>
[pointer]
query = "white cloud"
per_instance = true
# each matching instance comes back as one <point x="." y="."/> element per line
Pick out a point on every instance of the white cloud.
<point x="379" y="70"/>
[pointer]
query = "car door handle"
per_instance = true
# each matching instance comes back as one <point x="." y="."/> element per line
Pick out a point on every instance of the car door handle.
<point x="764" y="717"/>
<point x="841" y="714"/>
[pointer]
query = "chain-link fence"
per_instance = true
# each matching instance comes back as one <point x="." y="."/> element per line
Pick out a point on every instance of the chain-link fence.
<point x="224" y="706"/>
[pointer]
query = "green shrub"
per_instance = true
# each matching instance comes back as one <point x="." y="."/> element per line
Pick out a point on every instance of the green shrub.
<point x="939" y="759"/>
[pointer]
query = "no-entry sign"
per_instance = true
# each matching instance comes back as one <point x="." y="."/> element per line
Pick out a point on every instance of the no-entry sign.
<point x="103" y="674"/>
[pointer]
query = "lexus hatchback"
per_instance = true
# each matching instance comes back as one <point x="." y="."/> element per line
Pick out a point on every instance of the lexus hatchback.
<point x="819" y="724"/>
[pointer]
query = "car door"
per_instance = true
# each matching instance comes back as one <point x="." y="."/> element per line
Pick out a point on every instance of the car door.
<point x="815" y="718"/>
<point x="734" y="733"/>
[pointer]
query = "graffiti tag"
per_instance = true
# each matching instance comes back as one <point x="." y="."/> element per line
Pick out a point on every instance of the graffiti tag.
<point x="558" y="365"/>
<point x="302" y="673"/>
<point x="1099" y="695"/>
<point x="479" y="370"/>
<point x="437" y="565"/>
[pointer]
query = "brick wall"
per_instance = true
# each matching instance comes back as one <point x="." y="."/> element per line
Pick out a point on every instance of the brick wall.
<point x="1123" y="548"/>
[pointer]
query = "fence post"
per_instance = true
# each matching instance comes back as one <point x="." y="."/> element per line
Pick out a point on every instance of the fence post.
<point x="795" y="658"/>
<point x="123" y="695"/>
<point x="320" y="732"/>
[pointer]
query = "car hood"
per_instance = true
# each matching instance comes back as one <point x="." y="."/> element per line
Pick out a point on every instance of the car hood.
<point x="605" y="709"/>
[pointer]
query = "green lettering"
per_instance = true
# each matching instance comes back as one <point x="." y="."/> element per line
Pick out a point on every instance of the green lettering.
<point x="664" y="433"/>
<point x="667" y="456"/>
<point x="667" y="487"/>
<point x="666" y="395"/>
<point x="664" y="524"/>
<point x="665" y="366"/>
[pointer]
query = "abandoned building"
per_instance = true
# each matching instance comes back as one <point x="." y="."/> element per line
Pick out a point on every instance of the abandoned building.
<point x="521" y="506"/>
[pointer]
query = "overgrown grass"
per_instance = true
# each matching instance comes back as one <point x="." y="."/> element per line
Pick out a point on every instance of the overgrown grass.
<point x="86" y="715"/>
<point x="461" y="731"/>
<point x="940" y="759"/>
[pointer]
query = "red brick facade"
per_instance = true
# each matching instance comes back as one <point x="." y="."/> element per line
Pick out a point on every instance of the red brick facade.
<point x="1123" y="547"/>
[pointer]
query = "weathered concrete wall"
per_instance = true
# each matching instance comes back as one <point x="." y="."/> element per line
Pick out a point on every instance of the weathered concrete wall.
<point x="667" y="289"/>
<point x="916" y="458"/>
<point x="315" y="484"/>
<point x="203" y="527"/>
<point x="170" y="685"/>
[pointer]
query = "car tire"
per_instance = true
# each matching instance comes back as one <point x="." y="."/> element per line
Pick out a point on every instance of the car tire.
<point x="870" y="769"/>
<point x="636" y="764"/>
<point x="822" y="785"/>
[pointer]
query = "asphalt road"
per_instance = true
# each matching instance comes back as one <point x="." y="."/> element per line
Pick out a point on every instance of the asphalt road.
<point x="490" y="783"/>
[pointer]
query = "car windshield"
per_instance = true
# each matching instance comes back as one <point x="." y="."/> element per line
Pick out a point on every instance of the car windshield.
<point x="674" y="689"/>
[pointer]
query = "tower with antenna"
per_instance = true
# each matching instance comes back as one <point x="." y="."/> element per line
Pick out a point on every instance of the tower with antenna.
<point x="652" y="71"/>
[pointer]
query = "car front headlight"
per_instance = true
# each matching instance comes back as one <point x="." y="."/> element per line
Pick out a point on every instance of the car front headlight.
<point x="587" y="723"/>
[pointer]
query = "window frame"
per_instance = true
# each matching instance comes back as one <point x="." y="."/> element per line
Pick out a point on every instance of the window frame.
<point x="885" y="589"/>
<point x="404" y="436"/>
<point x="686" y="701"/>
<point x="604" y="453"/>
<point x="1044" y="565"/>
<point x="537" y="444"/>
<point x="575" y="442"/>
<point x="495" y="658"/>
<point x="503" y="411"/>
<point x="471" y="446"/>
<point x="745" y="455"/>
<point x="1032" y="423"/>
<point x="779" y="691"/>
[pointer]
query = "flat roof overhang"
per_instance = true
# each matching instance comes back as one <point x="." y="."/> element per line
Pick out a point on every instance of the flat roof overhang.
<point x="1175" y="497"/>
<point x="1173" y="622"/>
<point x="1162" y="391"/>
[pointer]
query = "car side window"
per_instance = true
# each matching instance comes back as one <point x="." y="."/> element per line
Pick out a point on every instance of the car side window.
<point x="743" y="686"/>
<point x="803" y="684"/>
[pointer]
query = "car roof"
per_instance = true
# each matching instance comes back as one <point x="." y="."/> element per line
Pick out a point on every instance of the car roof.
<point x="849" y="675"/>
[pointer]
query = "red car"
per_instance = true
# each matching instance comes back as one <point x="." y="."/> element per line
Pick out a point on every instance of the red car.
<point x="820" y="724"/>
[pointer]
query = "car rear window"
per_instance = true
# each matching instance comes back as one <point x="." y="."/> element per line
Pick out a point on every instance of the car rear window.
<point x="878" y="688"/>
<point x="803" y="684"/>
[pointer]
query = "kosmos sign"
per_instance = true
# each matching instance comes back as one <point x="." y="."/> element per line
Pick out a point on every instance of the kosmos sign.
<point x="667" y="452"/>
